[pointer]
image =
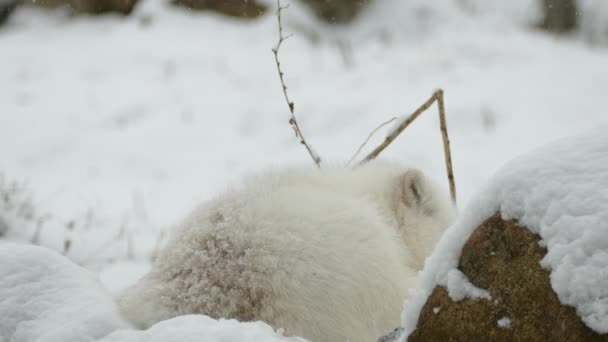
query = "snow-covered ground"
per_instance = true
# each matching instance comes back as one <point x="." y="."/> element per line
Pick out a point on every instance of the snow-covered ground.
<point x="46" y="297"/>
<point x="115" y="127"/>
<point x="560" y="193"/>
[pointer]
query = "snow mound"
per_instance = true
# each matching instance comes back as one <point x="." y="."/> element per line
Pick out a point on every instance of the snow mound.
<point x="201" y="328"/>
<point x="45" y="297"/>
<point x="559" y="192"/>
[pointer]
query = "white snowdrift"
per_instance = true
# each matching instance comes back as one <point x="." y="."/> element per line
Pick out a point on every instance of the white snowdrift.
<point x="195" y="328"/>
<point x="44" y="297"/>
<point x="559" y="192"/>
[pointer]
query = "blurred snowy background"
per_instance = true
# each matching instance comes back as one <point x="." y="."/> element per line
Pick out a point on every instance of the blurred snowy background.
<point x="113" y="127"/>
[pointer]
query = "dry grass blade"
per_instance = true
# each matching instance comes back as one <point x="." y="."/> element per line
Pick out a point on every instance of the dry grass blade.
<point x="368" y="138"/>
<point x="292" y="120"/>
<point x="436" y="97"/>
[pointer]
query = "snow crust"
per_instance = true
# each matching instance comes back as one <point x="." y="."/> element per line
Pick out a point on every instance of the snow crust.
<point x="560" y="192"/>
<point x="45" y="297"/>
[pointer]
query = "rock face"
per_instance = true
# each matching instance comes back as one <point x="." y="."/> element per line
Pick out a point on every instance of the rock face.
<point x="234" y="8"/>
<point x="502" y="258"/>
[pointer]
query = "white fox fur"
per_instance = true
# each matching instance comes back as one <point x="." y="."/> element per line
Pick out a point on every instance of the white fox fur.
<point x="326" y="254"/>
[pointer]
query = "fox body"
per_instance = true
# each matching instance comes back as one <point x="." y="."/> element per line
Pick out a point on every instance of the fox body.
<point x="325" y="254"/>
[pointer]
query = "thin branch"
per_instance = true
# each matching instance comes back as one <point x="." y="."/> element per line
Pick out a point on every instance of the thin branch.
<point x="368" y="138"/>
<point x="437" y="96"/>
<point x="446" y="144"/>
<point x="391" y="137"/>
<point x="292" y="120"/>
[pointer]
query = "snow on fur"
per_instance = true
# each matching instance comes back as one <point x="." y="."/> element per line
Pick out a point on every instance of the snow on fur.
<point x="45" y="297"/>
<point x="559" y="192"/>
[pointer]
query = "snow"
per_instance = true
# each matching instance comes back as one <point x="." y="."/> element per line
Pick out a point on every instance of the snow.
<point x="118" y="276"/>
<point x="45" y="297"/>
<point x="594" y="27"/>
<point x="459" y="287"/>
<point x="560" y="192"/>
<point x="123" y="133"/>
<point x="193" y="328"/>
<point x="114" y="128"/>
<point x="504" y="323"/>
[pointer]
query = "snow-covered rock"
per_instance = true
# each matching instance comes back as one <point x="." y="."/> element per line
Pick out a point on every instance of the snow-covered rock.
<point x="503" y="258"/>
<point x="560" y="193"/>
<point x="45" y="297"/>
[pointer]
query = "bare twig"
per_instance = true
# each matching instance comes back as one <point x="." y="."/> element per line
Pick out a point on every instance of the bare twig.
<point x="437" y="96"/>
<point x="368" y="138"/>
<point x="292" y="120"/>
<point x="446" y="144"/>
<point x="389" y="139"/>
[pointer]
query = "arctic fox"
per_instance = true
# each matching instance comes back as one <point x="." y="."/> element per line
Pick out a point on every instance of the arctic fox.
<point x="325" y="254"/>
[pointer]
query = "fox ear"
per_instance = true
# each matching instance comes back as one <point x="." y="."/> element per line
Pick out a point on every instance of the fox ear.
<point x="413" y="190"/>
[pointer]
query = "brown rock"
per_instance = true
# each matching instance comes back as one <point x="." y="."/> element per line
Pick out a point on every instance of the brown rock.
<point x="560" y="16"/>
<point x="503" y="258"/>
<point x="234" y="8"/>
<point x="88" y="6"/>
<point x="103" y="6"/>
<point x="337" y="11"/>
